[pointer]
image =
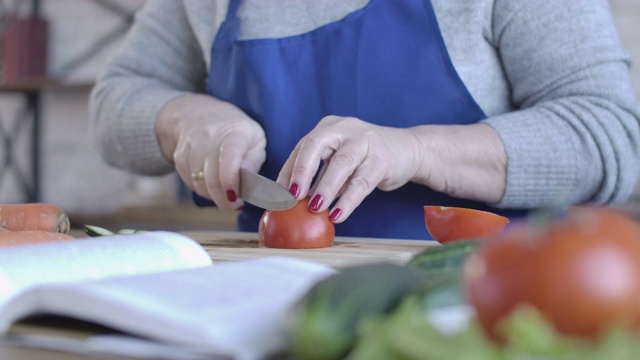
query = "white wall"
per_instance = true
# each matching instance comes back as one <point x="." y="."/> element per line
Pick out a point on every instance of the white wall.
<point x="75" y="177"/>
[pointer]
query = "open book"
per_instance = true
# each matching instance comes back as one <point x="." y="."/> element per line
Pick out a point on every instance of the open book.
<point x="159" y="290"/>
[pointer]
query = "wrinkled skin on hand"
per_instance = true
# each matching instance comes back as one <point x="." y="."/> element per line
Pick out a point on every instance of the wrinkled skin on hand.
<point x="467" y="161"/>
<point x="357" y="157"/>
<point x="200" y="133"/>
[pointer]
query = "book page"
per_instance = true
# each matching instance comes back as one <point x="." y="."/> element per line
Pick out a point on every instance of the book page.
<point x="236" y="308"/>
<point x="96" y="258"/>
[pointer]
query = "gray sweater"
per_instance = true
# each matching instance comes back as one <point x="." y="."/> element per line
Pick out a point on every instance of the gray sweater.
<point x="551" y="76"/>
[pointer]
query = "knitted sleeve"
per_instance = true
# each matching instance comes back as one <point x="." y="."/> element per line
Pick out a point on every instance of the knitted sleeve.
<point x="159" y="60"/>
<point x="576" y="135"/>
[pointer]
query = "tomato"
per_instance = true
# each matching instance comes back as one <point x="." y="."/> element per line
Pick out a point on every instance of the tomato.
<point x="581" y="270"/>
<point x="296" y="228"/>
<point x="453" y="223"/>
<point x="497" y="278"/>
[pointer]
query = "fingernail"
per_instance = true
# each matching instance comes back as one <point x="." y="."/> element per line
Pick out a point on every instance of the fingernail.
<point x="294" y="190"/>
<point x="335" y="214"/>
<point x="231" y="195"/>
<point x="316" y="202"/>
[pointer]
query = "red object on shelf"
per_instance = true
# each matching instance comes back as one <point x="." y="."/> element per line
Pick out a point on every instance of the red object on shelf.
<point x="23" y="48"/>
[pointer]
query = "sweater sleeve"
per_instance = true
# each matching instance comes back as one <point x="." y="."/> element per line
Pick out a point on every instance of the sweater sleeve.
<point x="159" y="60"/>
<point x="576" y="135"/>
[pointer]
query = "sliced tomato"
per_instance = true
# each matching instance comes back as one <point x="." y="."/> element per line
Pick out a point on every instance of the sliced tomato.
<point x="454" y="223"/>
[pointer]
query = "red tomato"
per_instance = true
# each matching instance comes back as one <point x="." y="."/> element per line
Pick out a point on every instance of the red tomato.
<point x="453" y="223"/>
<point x="497" y="278"/>
<point x="296" y="228"/>
<point x="582" y="271"/>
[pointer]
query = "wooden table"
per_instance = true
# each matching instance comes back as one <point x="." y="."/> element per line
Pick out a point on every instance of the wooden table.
<point x="347" y="251"/>
<point x="237" y="246"/>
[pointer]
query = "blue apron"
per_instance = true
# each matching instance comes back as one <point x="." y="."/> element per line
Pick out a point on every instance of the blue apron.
<point x="385" y="63"/>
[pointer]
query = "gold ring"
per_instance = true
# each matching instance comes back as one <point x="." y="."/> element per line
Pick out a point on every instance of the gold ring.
<point x="197" y="176"/>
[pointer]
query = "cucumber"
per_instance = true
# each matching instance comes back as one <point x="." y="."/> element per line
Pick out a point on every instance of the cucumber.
<point x="129" y="231"/>
<point x="445" y="258"/>
<point x="324" y="324"/>
<point x="94" y="231"/>
<point x="425" y="325"/>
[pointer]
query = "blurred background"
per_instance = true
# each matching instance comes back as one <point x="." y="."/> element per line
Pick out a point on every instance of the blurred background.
<point x="50" y="54"/>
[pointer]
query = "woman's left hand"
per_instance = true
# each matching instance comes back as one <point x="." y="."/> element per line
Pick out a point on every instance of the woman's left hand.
<point x="357" y="156"/>
<point x="465" y="161"/>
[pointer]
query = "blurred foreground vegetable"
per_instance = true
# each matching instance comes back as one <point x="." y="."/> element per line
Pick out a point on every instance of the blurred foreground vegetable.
<point x="408" y="334"/>
<point x="446" y="258"/>
<point x="580" y="270"/>
<point x="325" y="323"/>
<point x="565" y="288"/>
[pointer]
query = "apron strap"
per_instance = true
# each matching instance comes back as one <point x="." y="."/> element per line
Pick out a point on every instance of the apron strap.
<point x="232" y="11"/>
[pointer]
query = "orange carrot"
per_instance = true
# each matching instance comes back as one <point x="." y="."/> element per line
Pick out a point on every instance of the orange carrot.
<point x="21" y="237"/>
<point x="34" y="216"/>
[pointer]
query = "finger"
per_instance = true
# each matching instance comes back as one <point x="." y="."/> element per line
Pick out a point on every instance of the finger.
<point x="284" y="176"/>
<point x="338" y="170"/>
<point x="212" y="182"/>
<point x="323" y="169"/>
<point x="312" y="151"/>
<point x="198" y="173"/>
<point x="186" y="171"/>
<point x="302" y="164"/>
<point x="233" y="152"/>
<point x="363" y="181"/>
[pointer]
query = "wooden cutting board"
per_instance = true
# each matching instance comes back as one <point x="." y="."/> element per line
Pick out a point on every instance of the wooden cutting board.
<point x="347" y="251"/>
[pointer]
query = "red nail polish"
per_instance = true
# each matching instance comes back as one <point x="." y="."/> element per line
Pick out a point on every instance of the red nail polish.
<point x="335" y="214"/>
<point x="316" y="202"/>
<point x="231" y="195"/>
<point x="294" y="190"/>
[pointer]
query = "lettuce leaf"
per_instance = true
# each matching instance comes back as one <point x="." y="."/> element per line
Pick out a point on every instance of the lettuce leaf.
<point x="407" y="333"/>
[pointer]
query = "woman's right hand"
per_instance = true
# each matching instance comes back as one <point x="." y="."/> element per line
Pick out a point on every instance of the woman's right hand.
<point x="203" y="135"/>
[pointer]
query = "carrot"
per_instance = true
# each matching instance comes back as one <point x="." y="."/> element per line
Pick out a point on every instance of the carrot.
<point x="34" y="216"/>
<point x="21" y="237"/>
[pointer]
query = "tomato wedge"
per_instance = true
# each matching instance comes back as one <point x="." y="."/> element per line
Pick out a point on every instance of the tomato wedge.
<point x="454" y="223"/>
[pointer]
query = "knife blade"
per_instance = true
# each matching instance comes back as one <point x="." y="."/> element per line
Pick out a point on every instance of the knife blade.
<point x="263" y="192"/>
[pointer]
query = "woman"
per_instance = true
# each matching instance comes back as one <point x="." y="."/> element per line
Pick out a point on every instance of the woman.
<point x="504" y="105"/>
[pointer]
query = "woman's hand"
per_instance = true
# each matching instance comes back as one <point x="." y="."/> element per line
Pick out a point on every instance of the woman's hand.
<point x="208" y="140"/>
<point x="358" y="157"/>
<point x="461" y="160"/>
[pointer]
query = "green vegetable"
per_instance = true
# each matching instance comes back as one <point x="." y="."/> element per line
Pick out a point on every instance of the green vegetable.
<point x="445" y="258"/>
<point x="129" y="231"/>
<point x="94" y="231"/>
<point x="408" y="333"/>
<point x="325" y="323"/>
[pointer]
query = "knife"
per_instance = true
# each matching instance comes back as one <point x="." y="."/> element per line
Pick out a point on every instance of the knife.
<point x="264" y="193"/>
